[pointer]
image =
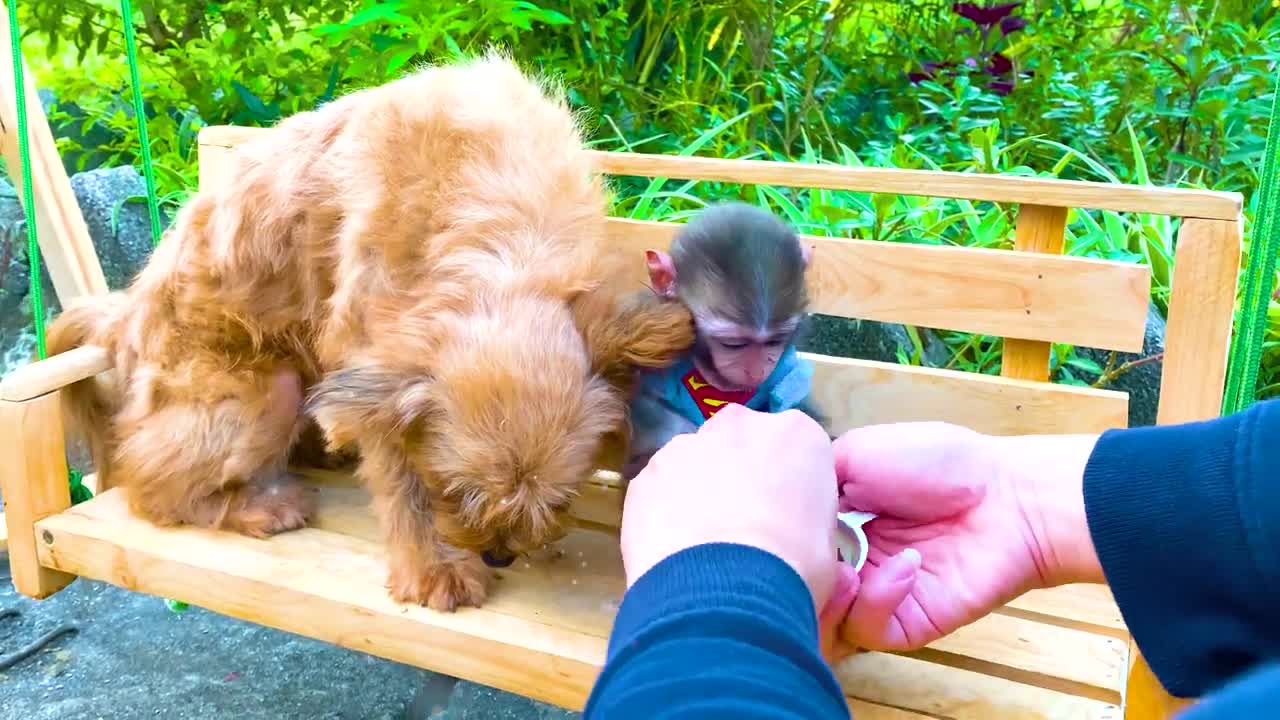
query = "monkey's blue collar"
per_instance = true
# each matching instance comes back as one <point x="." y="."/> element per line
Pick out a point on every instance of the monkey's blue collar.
<point x="785" y="388"/>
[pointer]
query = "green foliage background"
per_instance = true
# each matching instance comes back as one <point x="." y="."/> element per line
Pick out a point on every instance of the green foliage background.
<point x="1138" y="91"/>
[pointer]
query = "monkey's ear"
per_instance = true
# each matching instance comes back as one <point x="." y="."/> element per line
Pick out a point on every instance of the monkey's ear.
<point x="662" y="272"/>
<point x="353" y="402"/>
<point x="806" y="253"/>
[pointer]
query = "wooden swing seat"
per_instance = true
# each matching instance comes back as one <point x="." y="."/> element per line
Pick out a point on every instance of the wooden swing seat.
<point x="543" y="633"/>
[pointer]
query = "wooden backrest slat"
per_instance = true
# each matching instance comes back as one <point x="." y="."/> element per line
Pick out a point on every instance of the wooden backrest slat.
<point x="1083" y="301"/>
<point x="1094" y="303"/>
<point x="1178" y="202"/>
<point x="854" y="393"/>
<point x="929" y="183"/>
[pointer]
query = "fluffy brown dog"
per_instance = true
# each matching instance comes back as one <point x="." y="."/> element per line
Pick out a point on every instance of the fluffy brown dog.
<point x="424" y="262"/>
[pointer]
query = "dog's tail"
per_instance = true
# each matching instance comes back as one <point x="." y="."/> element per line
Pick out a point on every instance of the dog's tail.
<point x="88" y="405"/>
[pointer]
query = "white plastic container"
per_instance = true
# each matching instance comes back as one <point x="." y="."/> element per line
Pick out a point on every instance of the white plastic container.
<point x="851" y="540"/>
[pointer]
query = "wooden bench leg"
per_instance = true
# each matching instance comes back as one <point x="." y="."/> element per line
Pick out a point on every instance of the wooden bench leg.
<point x="33" y="479"/>
<point x="1145" y="698"/>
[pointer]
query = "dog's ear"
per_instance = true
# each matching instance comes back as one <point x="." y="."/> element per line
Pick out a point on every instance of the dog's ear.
<point x="639" y="329"/>
<point x="352" y="402"/>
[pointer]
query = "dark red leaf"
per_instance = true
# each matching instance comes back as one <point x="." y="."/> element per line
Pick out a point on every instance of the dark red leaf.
<point x="1001" y="87"/>
<point x="928" y="71"/>
<point x="1012" y="24"/>
<point x="984" y="16"/>
<point x="1000" y="65"/>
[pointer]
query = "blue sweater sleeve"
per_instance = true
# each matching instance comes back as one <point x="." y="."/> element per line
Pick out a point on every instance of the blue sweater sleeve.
<point x="717" y="630"/>
<point x="1252" y="696"/>
<point x="1186" y="522"/>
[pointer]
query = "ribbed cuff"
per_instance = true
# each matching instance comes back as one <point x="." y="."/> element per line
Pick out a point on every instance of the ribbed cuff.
<point x="728" y="577"/>
<point x="1163" y="510"/>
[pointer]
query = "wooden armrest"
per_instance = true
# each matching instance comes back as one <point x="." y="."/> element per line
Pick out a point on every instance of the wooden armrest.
<point x="59" y="371"/>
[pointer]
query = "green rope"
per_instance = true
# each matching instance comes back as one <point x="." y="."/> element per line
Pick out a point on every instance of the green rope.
<point x="1246" y="346"/>
<point x="79" y="492"/>
<point x="148" y="172"/>
<point x="28" y="195"/>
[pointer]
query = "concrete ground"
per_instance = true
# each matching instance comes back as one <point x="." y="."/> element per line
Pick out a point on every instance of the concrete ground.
<point x="134" y="658"/>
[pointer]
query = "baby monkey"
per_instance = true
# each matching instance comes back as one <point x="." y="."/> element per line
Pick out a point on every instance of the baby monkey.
<point x="741" y="272"/>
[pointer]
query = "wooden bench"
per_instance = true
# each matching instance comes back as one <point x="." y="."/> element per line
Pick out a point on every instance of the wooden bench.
<point x="1062" y="653"/>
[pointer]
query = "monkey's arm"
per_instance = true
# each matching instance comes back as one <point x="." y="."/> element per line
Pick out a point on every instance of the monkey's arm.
<point x="794" y="389"/>
<point x="653" y="423"/>
<point x="810" y="407"/>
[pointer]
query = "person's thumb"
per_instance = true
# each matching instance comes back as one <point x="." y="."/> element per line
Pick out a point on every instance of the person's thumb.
<point x="842" y="597"/>
<point x="882" y="590"/>
<point x="837" y="607"/>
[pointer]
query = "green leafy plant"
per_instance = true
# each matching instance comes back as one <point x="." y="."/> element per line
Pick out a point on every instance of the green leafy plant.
<point x="1167" y="92"/>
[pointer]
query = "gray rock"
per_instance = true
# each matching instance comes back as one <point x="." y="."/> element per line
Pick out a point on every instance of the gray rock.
<point x="134" y="658"/>
<point x="87" y="135"/>
<point x="17" y="339"/>
<point x="120" y="227"/>
<point x="13" y="252"/>
<point x="1142" y="382"/>
<point x="868" y="340"/>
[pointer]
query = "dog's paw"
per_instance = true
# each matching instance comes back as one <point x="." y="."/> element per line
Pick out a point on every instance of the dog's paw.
<point x="275" y="506"/>
<point x="443" y="587"/>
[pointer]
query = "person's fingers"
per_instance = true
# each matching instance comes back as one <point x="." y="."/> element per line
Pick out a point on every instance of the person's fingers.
<point x="842" y="596"/>
<point x="902" y="450"/>
<point x="916" y="471"/>
<point x="924" y="498"/>
<point x="731" y="419"/>
<point x="881" y="592"/>
<point x="672" y="451"/>
<point x="837" y="607"/>
<point x="804" y="426"/>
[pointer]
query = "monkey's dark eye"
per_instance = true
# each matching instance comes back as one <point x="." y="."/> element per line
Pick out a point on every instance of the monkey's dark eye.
<point x="732" y="344"/>
<point x="775" y="342"/>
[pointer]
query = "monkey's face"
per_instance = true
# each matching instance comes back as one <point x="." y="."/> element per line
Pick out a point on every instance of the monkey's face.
<point x="742" y="360"/>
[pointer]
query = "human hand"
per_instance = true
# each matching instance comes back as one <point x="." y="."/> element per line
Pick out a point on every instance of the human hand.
<point x="761" y="479"/>
<point x="967" y="522"/>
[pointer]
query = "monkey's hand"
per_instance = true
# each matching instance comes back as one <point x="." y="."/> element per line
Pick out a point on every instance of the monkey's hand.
<point x="653" y="424"/>
<point x="809" y="407"/>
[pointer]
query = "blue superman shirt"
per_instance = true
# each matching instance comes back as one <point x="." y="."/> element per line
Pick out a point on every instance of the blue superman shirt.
<point x="684" y="389"/>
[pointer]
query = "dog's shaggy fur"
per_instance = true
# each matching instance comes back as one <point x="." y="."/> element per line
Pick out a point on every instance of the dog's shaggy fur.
<point x="421" y="268"/>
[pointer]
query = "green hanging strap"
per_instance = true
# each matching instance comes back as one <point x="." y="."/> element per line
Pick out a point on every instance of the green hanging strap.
<point x="139" y="109"/>
<point x="148" y="171"/>
<point x="28" y="194"/>
<point x="1246" y="346"/>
